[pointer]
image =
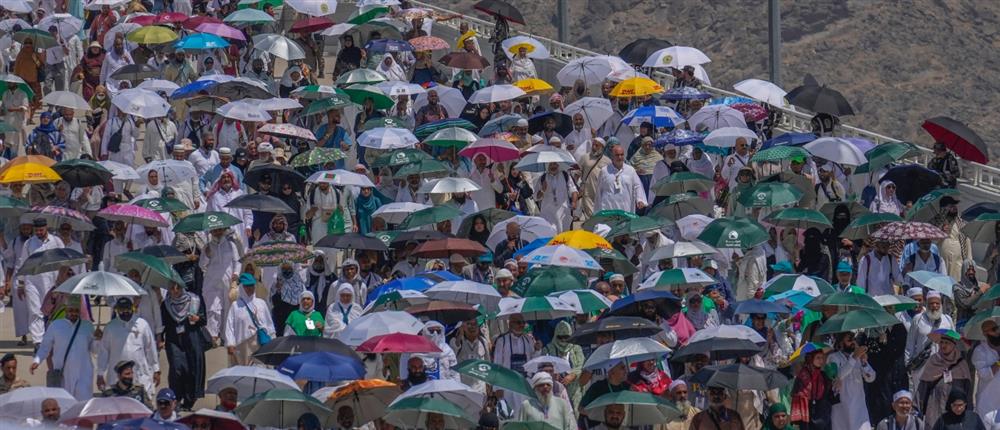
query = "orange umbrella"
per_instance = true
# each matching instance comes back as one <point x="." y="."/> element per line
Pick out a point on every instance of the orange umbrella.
<point x="368" y="398"/>
<point x="37" y="159"/>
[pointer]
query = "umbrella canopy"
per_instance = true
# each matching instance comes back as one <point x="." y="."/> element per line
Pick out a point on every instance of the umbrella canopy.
<point x="271" y="254"/>
<point x="676" y="57"/>
<point x="443" y="248"/>
<point x="820" y="99"/>
<point x="7" y="81"/>
<point x="205" y="221"/>
<point x="580" y="239"/>
<point x="737" y="232"/>
<point x="713" y="117"/>
<point x="887" y="153"/>
<point x="542" y="281"/>
<point x="248" y="16"/>
<point x="132" y="214"/>
<point x="199" y="41"/>
<point x="141" y="103"/>
<point x="857" y="319"/>
<point x="444" y="312"/>
<point x="496" y="94"/>
<point x="11" y="207"/>
<point x="398" y="343"/>
<point x="280" y="348"/>
<point x="218" y="419"/>
<point x="863" y="226"/>
<point x="628" y="351"/>
<point x="395" y="213"/>
<point x="637" y="51"/>
<point x="340" y="177"/>
<point x="973" y="329"/>
<point x="260" y="203"/>
<point x="153" y="271"/>
<point x="641" y="409"/>
<point x="29" y="173"/>
<point x="538" y="162"/>
<point x="532" y="228"/>
<point x="249" y="380"/>
<point x="718" y="349"/>
<point x="368" y="398"/>
<point x="279" y="408"/>
<point x="468" y="292"/>
<point x="100" y="283"/>
<point x="380" y="323"/>
<point x="612" y="261"/>
<point x="535" y="308"/>
<point x="563" y="256"/>
<point x="405" y="412"/>
<point x="465" y="61"/>
<point x="666" y="303"/>
<point x="313" y="7"/>
<point x="451" y="137"/>
<point x="935" y="281"/>
<point x="67" y="99"/>
<point x="682" y="205"/>
<point x="837" y="150"/>
<point x="387" y="138"/>
<point x="959" y="138"/>
<point x="636" y="87"/>
<point x="618" y="328"/>
<point x="798" y="218"/>
<point x="500" y="9"/>
<point x="846" y="300"/>
<point x="167" y="253"/>
<point x="595" y="110"/>
<point x="293" y="132"/>
<point x="152" y="35"/>
<point x="563" y="122"/>
<point x="982" y="228"/>
<point x="361" y="76"/>
<point x="100" y="410"/>
<point x="322" y="366"/>
<point x="678" y="279"/>
<point x="584" y="301"/>
<point x="279" y="176"/>
<point x="638" y="225"/>
<point x="912" y="230"/>
<point x="659" y="116"/>
<point x="449" y="185"/>
<point x="387" y="45"/>
<point x="762" y="90"/>
<point x="82" y="173"/>
<point x="58" y="216"/>
<point x="682" y="182"/>
<point x="757" y="306"/>
<point x="681" y="250"/>
<point x="770" y="194"/>
<point x="913" y="181"/>
<point x="431" y="215"/>
<point x="311" y="25"/>
<point x="351" y="240"/>
<point x="495" y="375"/>
<point x="26" y="402"/>
<point x="278" y="45"/>
<point x="929" y="206"/>
<point x="792" y="282"/>
<point x="243" y="111"/>
<point x="429" y="43"/>
<point x="740" y="377"/>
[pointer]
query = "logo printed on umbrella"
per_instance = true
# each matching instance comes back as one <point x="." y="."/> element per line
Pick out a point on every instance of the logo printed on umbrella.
<point x="213" y="218"/>
<point x="563" y="258"/>
<point x="667" y="59"/>
<point x="400" y="156"/>
<point x="323" y="7"/>
<point x="761" y="196"/>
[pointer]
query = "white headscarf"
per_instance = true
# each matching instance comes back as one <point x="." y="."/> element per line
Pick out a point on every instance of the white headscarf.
<point x="392" y="72"/>
<point x="884" y="203"/>
<point x="286" y="79"/>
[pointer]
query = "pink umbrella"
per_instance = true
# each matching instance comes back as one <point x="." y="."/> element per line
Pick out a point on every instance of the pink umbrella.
<point x="133" y="214"/>
<point x="57" y="216"/>
<point x="398" y="343"/>
<point x="171" y="18"/>
<point x="221" y="30"/>
<point x="494" y="149"/>
<point x="752" y="112"/>
<point x="143" y="20"/>
<point x="100" y="410"/>
<point x="429" y="43"/>
<point x="287" y="130"/>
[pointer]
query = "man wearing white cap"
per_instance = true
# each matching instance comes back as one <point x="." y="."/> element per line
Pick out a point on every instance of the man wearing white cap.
<point x="828" y="190"/>
<point x="986" y="358"/>
<point x="557" y="196"/>
<point x="265" y="155"/>
<point x="906" y="316"/>
<point x="923" y="324"/>
<point x="35" y="287"/>
<point x="677" y="392"/>
<point x="545" y="407"/>
<point x="903" y="417"/>
<point x="520" y="131"/>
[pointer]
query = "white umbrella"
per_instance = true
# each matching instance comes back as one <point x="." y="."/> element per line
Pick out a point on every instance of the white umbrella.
<point x="449" y="185"/>
<point x="451" y="98"/>
<point x="727" y="331"/>
<point x="676" y="57"/>
<point x="595" y="110"/>
<point x="67" y="24"/>
<point x="170" y="171"/>
<point x="275" y="103"/>
<point x="538" y="162"/>
<point x="123" y="28"/>
<point x="716" y="116"/>
<point x="249" y="380"/>
<point x="16" y="6"/>
<point x="158" y="85"/>
<point x="141" y="103"/>
<point x="592" y="70"/>
<point x="400" y="88"/>
<point x="726" y="137"/>
<point x="243" y="111"/>
<point x="7" y="25"/>
<point x="532" y="228"/>
<point x="573" y="298"/>
<point x="535" y="48"/>
<point x="692" y="225"/>
<point x="217" y="77"/>
<point x="451" y="390"/>
<point x="313" y="7"/>
<point x="465" y="291"/>
<point x="682" y="250"/>
<point x="935" y="281"/>
<point x="562" y="256"/>
<point x="67" y="99"/>
<point x="377" y="324"/>
<point x="387" y="138"/>
<point x="278" y="45"/>
<point x="119" y="171"/>
<point x="101" y="283"/>
<point x="395" y="213"/>
<point x="621" y="75"/>
<point x="559" y="364"/>
<point x="13" y="79"/>
<point x="535" y="308"/>
<point x="338" y="30"/>
<point x="27" y="402"/>
<point x="627" y="351"/>
<point x="806" y="284"/>
<point x="340" y="177"/>
<point x="701" y="74"/>
<point x="100" y="410"/>
<point x="837" y="150"/>
<point x="759" y="89"/>
<point x="495" y="94"/>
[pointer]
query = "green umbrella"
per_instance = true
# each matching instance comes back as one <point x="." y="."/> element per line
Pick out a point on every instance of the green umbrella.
<point x="547" y="280"/>
<point x="162" y="204"/>
<point x="386" y="122"/>
<point x="205" y="221"/>
<point x="400" y="157"/>
<point x="396" y="301"/>
<point x="679" y="280"/>
<point x="315" y="92"/>
<point x="492" y="216"/>
<point x="863" y="226"/>
<point x="734" y="232"/>
<point x="856" y="209"/>
<point x="798" y="218"/>
<point x="367" y="13"/>
<point x="612" y="261"/>
<point x="42" y="39"/>
<point x="637" y="225"/>
<point x="857" y="319"/>
<point x="973" y="329"/>
<point x="280" y="408"/>
<point x="928" y="206"/>
<point x="452" y="137"/>
<point x="4" y="127"/>
<point x="431" y="215"/>
<point x="885" y="154"/>
<point x="779" y="153"/>
<point x="608" y="217"/>
<point x="983" y="228"/>
<point x="154" y="271"/>
<point x="335" y="101"/>
<point x="495" y="375"/>
<point x="360" y="76"/>
<point x="682" y="182"/>
<point x="427" y="167"/>
<point x="846" y="300"/>
<point x="769" y="194"/>
<point x="641" y="409"/>
<point x="12" y="207"/>
<point x="584" y="301"/>
<point x="411" y="412"/>
<point x="528" y="425"/>
<point x="430" y="128"/>
<point x="679" y="206"/>
<point x="6" y="81"/>
<point x="991" y="295"/>
<point x="787" y="281"/>
<point x="317" y="157"/>
<point x="360" y="92"/>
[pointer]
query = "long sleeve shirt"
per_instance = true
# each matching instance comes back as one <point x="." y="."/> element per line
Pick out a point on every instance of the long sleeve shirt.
<point x="619" y="189"/>
<point x="240" y="327"/>
<point x="876" y="275"/>
<point x="132" y="340"/>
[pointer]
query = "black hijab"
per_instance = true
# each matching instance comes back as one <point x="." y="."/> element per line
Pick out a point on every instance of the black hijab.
<point x="966" y="421"/>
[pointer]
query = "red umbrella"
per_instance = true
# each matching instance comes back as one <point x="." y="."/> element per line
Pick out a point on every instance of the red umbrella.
<point x="443" y="311"/>
<point x="192" y="23"/>
<point x="220" y="420"/>
<point x="144" y="20"/>
<point x="398" y="343"/>
<point x="443" y="248"/>
<point x="171" y="18"/>
<point x="959" y="138"/>
<point x="312" y="24"/>
<point x="901" y="230"/>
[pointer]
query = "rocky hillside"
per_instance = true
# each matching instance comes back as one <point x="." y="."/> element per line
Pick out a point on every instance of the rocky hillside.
<point x="897" y="62"/>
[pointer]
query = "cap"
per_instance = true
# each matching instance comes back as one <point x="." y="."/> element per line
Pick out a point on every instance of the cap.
<point x="39" y="222"/>
<point x="946" y="333"/>
<point x="166" y="394"/>
<point x="556" y="97"/>
<point x="902" y="394"/>
<point x="247" y="280"/>
<point x="350" y="262"/>
<point x="932" y="294"/>
<point x="783" y="266"/>
<point x="844" y="267"/>
<point x="555" y="139"/>
<point x="617" y="277"/>
<point x="828" y="167"/>
<point x="486" y="258"/>
<point x="122" y="365"/>
<point x="225" y="151"/>
<point x="677" y="383"/>
<point x="95" y="44"/>
<point x="265" y="147"/>
<point x="521" y="122"/>
<point x="541" y="378"/>
<point x="598" y="140"/>
<point x="647" y="139"/>
<point x="710" y="263"/>
<point x="504" y="274"/>
<point x="123" y="302"/>
<point x="457" y="258"/>
<point x="915" y="291"/>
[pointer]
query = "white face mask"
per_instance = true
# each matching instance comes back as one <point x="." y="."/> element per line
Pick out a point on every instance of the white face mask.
<point x="101" y="96"/>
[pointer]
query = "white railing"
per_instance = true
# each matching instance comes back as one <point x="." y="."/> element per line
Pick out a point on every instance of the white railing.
<point x="982" y="177"/>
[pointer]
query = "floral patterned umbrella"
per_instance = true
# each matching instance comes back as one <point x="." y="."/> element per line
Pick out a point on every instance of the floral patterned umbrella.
<point x="909" y="230"/>
<point x="56" y="216"/>
<point x="752" y="112"/>
<point x="133" y="214"/>
<point x="429" y="43"/>
<point x="275" y="253"/>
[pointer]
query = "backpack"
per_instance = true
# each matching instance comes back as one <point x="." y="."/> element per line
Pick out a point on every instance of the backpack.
<point x="912" y="260"/>
<point x="42" y="144"/>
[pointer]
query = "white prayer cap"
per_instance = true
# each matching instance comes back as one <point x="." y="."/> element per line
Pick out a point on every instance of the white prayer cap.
<point x="677" y="383"/>
<point x="915" y="291"/>
<point x="345" y="288"/>
<point x="225" y="151"/>
<point x="541" y="378"/>
<point x="598" y="140"/>
<point x="932" y="294"/>
<point x="902" y="394"/>
<point x="521" y="122"/>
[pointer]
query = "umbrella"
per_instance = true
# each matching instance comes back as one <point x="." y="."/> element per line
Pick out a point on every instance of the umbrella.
<point x="100" y="283"/>
<point x="538" y="162"/>
<point x="678" y="279"/>
<point x="977" y="209"/>
<point x="399" y="88"/>
<point x="243" y="111"/>
<point x="542" y="281"/>
<point x="198" y="41"/>
<point x="982" y="228"/>
<point x="591" y="70"/>
<point x="29" y="173"/>
<point x="51" y="260"/>
<point x="786" y="282"/>
<point x="387" y="138"/>
<point x="260" y="203"/>
<point x="532" y="228"/>
<point x="496" y="94"/>
<point x="770" y="194"/>
<point x="618" y="328"/>
<point x="313" y="25"/>
<point x="837" y="150"/>
<point x="973" y="329"/>
<point x="583" y="301"/>
<point x="313" y="7"/>
<point x="397" y="237"/>
<point x="912" y="230"/>
<point x="465" y="61"/>
<point x="535" y="308"/>
<point x="682" y="182"/>
<point x="406" y="412"/>
<point x="628" y="351"/>
<point x="532" y="46"/>
<point x="929" y="206"/>
<point x="82" y="173"/>
<point x="496" y="375"/>
<point x="885" y="154"/>
<point x="855" y="209"/>
<point x="248" y="16"/>
<point x="846" y="300"/>
<point x="398" y="343"/>
<point x="158" y="85"/>
<point x="351" y="241"/>
<point x="249" y="380"/>
<point x="11" y="207"/>
<point x="667" y="304"/>
<point x="580" y="239"/>
<point x="676" y="57"/>
<point x="41" y="38"/>
<point x="452" y="137"/>
<point x="240" y="88"/>
<point x="218" y="419"/>
<point x="193" y="22"/>
<point x="534" y="86"/>
<point x="757" y="306"/>
<point x="278" y="45"/>
<point x="401" y="157"/>
<point x="496" y="150"/>
<point x="912" y="181"/>
<point x="368" y="398"/>
<point x="419" y="282"/>
<point x="637" y="51"/>
<point x="56" y="215"/>
<point x="8" y="24"/>
<point x="280" y="348"/>
<point x="762" y="90"/>
<point x="788" y="139"/>
<point x="100" y="410"/>
<point x="608" y="217"/>
<point x="612" y="260"/>
<point x="387" y="45"/>
<point x="563" y="256"/>
<point x="500" y="9"/>
<point x="340" y="177"/>
<point x="26" y="402"/>
<point x="935" y="281"/>
<point x="716" y="116"/>
<point x="659" y="116"/>
<point x="443" y="248"/>
<point x="395" y="213"/>
<point x="132" y="214"/>
<point x="429" y="43"/>
<point x="290" y="131"/>
<point x="595" y="110"/>
<point x="636" y="87"/>
<point x="798" y="218"/>
<point x="152" y="270"/>
<point x="740" y="377"/>
<point x="857" y="319"/>
<point x="380" y="323"/>
<point x="863" y="226"/>
<point x="899" y="303"/>
<point x="820" y="99"/>
<point x="361" y="76"/>
<point x="959" y="138"/>
<point x="681" y="205"/>
<point x="67" y="99"/>
<point x="141" y="103"/>
<point x="205" y="221"/>
<point x="322" y="366"/>
<point x="641" y="409"/>
<point x="682" y="250"/>
<point x="779" y="153"/>
<point x="167" y="253"/>
<point x="8" y="80"/>
<point x="279" y="175"/>
<point x="276" y="253"/>
<point x="638" y="225"/>
<point x="279" y="408"/>
<point x="563" y="122"/>
<point x="726" y="137"/>
<point x="152" y="35"/>
<point x="431" y="215"/>
<point x="722" y="342"/>
<point x="445" y="312"/>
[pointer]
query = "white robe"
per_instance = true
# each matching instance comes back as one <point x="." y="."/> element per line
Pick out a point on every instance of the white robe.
<point x="78" y="372"/>
<point x="37" y="286"/>
<point x="239" y="325"/>
<point x="16" y="99"/>
<point x="852" y="411"/>
<point x="112" y="249"/>
<point x="75" y="134"/>
<point x="218" y="201"/>
<point x="19" y="304"/>
<point x="554" y="202"/>
<point x="619" y="189"/>
<point x="983" y="359"/>
<point x="485" y="197"/>
<point x="877" y="275"/>
<point x="336" y="314"/>
<point x="158" y="133"/>
<point x="130" y="134"/>
<point x="330" y="201"/>
<point x="113" y="62"/>
<point x="203" y="161"/>
<point x="920" y="327"/>
<point x="133" y="340"/>
<point x="220" y="263"/>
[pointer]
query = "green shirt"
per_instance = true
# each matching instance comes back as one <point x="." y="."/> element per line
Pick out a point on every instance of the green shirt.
<point x="297" y="321"/>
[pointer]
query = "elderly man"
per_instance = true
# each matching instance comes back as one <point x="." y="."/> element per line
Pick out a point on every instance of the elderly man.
<point x="903" y="416"/>
<point x="592" y="163"/>
<point x="717" y="416"/>
<point x="205" y="157"/>
<point x="557" y="196"/>
<point x="51" y="412"/>
<point x="8" y="379"/>
<point x="219" y="262"/>
<point x="614" y="418"/>
<point x="35" y="287"/>
<point x="678" y="393"/>
<point x="506" y="248"/>
<point x="933" y="318"/>
<point x="577" y="142"/>
<point x="115" y="59"/>
<point x="483" y="174"/>
<point x="128" y="338"/>
<point x="74" y="131"/>
<point x="618" y="185"/>
<point x="986" y="356"/>
<point x="166" y="406"/>
<point x="70" y="341"/>
<point x="545" y="407"/>
<point x="739" y="159"/>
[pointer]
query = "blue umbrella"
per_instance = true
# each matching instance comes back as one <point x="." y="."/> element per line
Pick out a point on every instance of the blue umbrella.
<point x="678" y="136"/>
<point x="793" y="139"/>
<point x="142" y="424"/>
<point x="192" y="89"/>
<point x="796" y="298"/>
<point x="666" y="304"/>
<point x="499" y="125"/>
<point x="388" y="45"/>
<point x="419" y="282"/>
<point x="757" y="306"/>
<point x="533" y="245"/>
<point x="322" y="367"/>
<point x="660" y="116"/>
<point x="731" y="100"/>
<point x="685" y="93"/>
<point x="201" y="41"/>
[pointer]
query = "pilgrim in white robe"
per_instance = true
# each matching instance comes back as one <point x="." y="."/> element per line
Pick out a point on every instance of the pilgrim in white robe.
<point x="218" y="200"/>
<point x="78" y="367"/>
<point x="852" y="411"/>
<point x="554" y="192"/>
<point x="619" y="189"/>
<point x="220" y="264"/>
<point x="123" y="341"/>
<point x="340" y="315"/>
<point x="241" y="330"/>
<point x="37" y="286"/>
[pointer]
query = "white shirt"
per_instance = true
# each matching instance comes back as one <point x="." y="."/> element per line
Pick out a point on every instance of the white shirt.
<point x="920" y="327"/>
<point x="580" y="141"/>
<point x="203" y="160"/>
<point x="129" y="132"/>
<point x="240" y="327"/>
<point x="983" y="359"/>
<point x="336" y="314"/>
<point x="877" y="275"/>
<point x="32" y="245"/>
<point x="619" y="189"/>
<point x="132" y="340"/>
<point x="75" y="134"/>
<point x="485" y="197"/>
<point x="852" y="411"/>
<point x="731" y="170"/>
<point x="113" y="62"/>
<point x="78" y="366"/>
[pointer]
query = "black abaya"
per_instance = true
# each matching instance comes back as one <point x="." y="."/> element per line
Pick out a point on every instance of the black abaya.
<point x="186" y="355"/>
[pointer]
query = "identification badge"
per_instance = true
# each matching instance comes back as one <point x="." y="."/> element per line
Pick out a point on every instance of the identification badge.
<point x="946" y="378"/>
<point x="180" y="329"/>
<point x="310" y="325"/>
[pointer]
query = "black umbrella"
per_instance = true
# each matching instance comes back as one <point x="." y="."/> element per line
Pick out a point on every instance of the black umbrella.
<point x="500" y="9"/>
<point x="278" y="175"/>
<point x="564" y="123"/>
<point x="236" y="90"/>
<point x="717" y="349"/>
<point x="740" y="377"/>
<point x="978" y="209"/>
<point x="351" y="241"/>
<point x="402" y="237"/>
<point x="82" y="173"/>
<point x="618" y="328"/>
<point x="280" y="348"/>
<point x="135" y="72"/>
<point x="639" y="50"/>
<point x="166" y="252"/>
<point x="51" y="260"/>
<point x="666" y="304"/>
<point x="261" y="203"/>
<point x="959" y="138"/>
<point x="913" y="181"/>
<point x="820" y="99"/>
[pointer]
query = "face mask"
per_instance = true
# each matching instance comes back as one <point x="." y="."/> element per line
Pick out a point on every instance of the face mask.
<point x="101" y="96"/>
<point x="126" y="382"/>
<point x="286" y="273"/>
<point x="994" y="340"/>
<point x="318" y="267"/>
<point x="125" y="316"/>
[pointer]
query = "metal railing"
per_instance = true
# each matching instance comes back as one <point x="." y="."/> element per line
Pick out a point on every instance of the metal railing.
<point x="981" y="177"/>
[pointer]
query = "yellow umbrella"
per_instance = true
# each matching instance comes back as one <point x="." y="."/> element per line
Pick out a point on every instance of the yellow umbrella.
<point x="533" y="86"/>
<point x="29" y="173"/>
<point x="152" y="35"/>
<point x="580" y="239"/>
<point x="636" y="87"/>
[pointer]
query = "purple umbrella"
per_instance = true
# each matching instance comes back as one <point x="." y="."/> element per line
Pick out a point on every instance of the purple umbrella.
<point x="221" y="30"/>
<point x="133" y="214"/>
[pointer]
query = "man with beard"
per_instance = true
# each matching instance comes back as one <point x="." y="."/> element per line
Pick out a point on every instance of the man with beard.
<point x="70" y="340"/>
<point x="409" y="194"/>
<point x="591" y="164"/>
<point x="619" y="186"/>
<point x="8" y="379"/>
<point x="416" y="373"/>
<point x="924" y="259"/>
<point x="853" y="370"/>
<point x="33" y="288"/>
<point x="968" y="290"/>
<point x="614" y="417"/>
<point x="613" y="126"/>
<point x="117" y="58"/>
<point x="205" y="157"/>
<point x="956" y="248"/>
<point x="51" y="413"/>
<point x="471" y="344"/>
<point x="432" y="111"/>
<point x="437" y="365"/>
<point x="333" y="135"/>
<point x="828" y="190"/>
<point x="902" y="416"/>
<point x="739" y="159"/>
<point x="128" y="338"/>
<point x="126" y="386"/>
<point x="366" y="270"/>
<point x="219" y="262"/>
<point x="678" y="393"/>
<point x="933" y="318"/>
<point x="179" y="70"/>
<point x="483" y="174"/>
<point x="878" y="271"/>
<point x="464" y="205"/>
<point x="717" y="416"/>
<point x="552" y="410"/>
<point x="257" y="72"/>
<point x="577" y="142"/>
<point x="986" y="356"/>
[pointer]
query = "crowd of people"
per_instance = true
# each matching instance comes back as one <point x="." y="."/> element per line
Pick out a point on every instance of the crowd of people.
<point x="450" y="241"/>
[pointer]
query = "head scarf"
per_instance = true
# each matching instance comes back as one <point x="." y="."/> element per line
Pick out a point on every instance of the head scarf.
<point x="559" y="346"/>
<point x="292" y="287"/>
<point x="680" y="324"/>
<point x="966" y="421"/>
<point x="218" y="183"/>
<point x="46" y="128"/>
<point x="703" y="167"/>
<point x="477" y="236"/>
<point x="394" y="72"/>
<point x="180" y="307"/>
<point x="345" y="288"/>
<point x="939" y="362"/>
<point x="437" y="338"/>
<point x="309" y="421"/>
<point x="774" y="409"/>
<point x="366" y="207"/>
<point x="886" y="204"/>
<point x="303" y="295"/>
<point x="286" y="78"/>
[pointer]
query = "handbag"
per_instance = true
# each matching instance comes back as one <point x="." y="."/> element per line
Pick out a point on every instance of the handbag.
<point x="54" y="377"/>
<point x="115" y="141"/>
<point x="262" y="337"/>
